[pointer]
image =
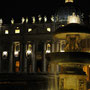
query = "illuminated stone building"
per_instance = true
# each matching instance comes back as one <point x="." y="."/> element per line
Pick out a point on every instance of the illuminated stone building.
<point x="23" y="46"/>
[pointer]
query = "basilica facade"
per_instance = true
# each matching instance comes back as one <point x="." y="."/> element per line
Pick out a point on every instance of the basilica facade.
<point x="23" y="46"/>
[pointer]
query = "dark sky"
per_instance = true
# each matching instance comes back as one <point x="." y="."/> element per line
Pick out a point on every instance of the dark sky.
<point x="19" y="8"/>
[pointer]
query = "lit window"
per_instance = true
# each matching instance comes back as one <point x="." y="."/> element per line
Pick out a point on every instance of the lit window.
<point x="49" y="29"/>
<point x="5" y="54"/>
<point x="17" y="63"/>
<point x="17" y="66"/>
<point x="6" y="32"/>
<point x="29" y="29"/>
<point x="48" y="48"/>
<point x="17" y="30"/>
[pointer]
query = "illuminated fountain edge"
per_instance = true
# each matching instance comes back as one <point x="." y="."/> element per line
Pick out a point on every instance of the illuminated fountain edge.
<point x="71" y="75"/>
<point x="76" y="57"/>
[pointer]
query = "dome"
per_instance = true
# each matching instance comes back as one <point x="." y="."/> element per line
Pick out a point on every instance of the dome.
<point x="66" y="10"/>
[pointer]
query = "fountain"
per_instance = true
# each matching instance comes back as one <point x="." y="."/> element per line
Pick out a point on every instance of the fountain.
<point x="72" y="60"/>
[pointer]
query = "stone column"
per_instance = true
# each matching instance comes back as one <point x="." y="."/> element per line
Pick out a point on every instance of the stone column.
<point x="52" y="68"/>
<point x="0" y="60"/>
<point x="58" y="67"/>
<point x="21" y="49"/>
<point x="52" y="46"/>
<point x="33" y="58"/>
<point x="25" y="59"/>
<point x="58" y="47"/>
<point x="55" y="76"/>
<point x="22" y="56"/>
<point x="11" y="59"/>
<point x="44" y="59"/>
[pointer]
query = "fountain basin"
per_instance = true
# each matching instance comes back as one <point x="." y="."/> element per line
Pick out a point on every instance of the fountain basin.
<point x="69" y="57"/>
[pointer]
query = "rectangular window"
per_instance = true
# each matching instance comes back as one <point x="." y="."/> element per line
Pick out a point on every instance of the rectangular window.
<point x="17" y="31"/>
<point x="17" y="66"/>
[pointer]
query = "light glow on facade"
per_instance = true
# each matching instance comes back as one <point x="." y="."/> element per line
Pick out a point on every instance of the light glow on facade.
<point x="29" y="29"/>
<point x="39" y="18"/>
<point x="16" y="53"/>
<point x="49" y="29"/>
<point x="1" y="21"/>
<point x="26" y="20"/>
<point x="23" y="20"/>
<point x="66" y="1"/>
<point x="33" y="19"/>
<point x="5" y="53"/>
<point x="29" y="50"/>
<point x="12" y="21"/>
<point x="62" y="25"/>
<point x="45" y="19"/>
<point x="48" y="48"/>
<point x="6" y="32"/>
<point x="52" y="18"/>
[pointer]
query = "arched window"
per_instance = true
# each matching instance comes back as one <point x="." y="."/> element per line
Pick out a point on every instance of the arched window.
<point x="16" y="49"/>
<point x="48" y="48"/>
<point x="28" y="49"/>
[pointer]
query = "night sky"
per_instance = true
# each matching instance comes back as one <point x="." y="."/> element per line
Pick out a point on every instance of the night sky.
<point x="25" y="8"/>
